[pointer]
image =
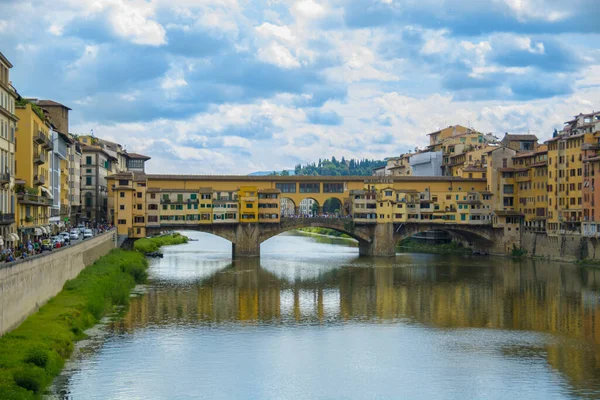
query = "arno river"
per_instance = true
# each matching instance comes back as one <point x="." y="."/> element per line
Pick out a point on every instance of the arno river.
<point x="312" y="320"/>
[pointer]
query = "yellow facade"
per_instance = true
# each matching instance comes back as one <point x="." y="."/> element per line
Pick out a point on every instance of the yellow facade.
<point x="531" y="177"/>
<point x="8" y="125"/>
<point x="248" y="196"/>
<point x="32" y="171"/>
<point x="565" y="182"/>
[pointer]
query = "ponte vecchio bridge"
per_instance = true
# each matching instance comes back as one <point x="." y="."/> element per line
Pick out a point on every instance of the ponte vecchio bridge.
<point x="247" y="210"/>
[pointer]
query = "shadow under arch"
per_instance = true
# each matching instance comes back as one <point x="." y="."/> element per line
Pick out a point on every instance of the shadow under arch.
<point x="343" y="225"/>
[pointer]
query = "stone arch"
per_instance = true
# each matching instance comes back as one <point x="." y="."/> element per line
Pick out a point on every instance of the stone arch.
<point x="304" y="209"/>
<point x="287" y="206"/>
<point x="343" y="225"/>
<point x="224" y="232"/>
<point x="333" y="205"/>
<point x="475" y="236"/>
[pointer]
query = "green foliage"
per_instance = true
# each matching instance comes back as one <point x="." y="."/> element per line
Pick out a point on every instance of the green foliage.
<point x="34" y="353"/>
<point x="518" y="252"/>
<point x="324" y="231"/>
<point x="26" y="189"/>
<point x="150" y="245"/>
<point x="23" y="103"/>
<point x="343" y="167"/>
<point x="37" y="356"/>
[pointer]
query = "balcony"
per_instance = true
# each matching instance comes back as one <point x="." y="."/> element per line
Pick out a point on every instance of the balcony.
<point x="4" y="178"/>
<point x="40" y="138"/>
<point x="7" y="219"/>
<point x="30" y="199"/>
<point x="47" y="144"/>
<point x="39" y="180"/>
<point x="39" y="158"/>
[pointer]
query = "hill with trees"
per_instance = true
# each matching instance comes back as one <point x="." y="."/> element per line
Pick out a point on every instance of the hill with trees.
<point x="334" y="167"/>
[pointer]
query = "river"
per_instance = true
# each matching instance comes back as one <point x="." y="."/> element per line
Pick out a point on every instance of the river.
<point x="311" y="319"/>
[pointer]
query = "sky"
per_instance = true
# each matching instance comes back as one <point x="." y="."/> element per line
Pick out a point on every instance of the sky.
<point x="237" y="86"/>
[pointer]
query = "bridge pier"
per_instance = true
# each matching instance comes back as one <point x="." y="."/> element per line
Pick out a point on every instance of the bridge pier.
<point x="382" y="243"/>
<point x="247" y="242"/>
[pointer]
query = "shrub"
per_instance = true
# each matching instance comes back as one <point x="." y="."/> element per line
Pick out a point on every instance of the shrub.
<point x="37" y="356"/>
<point x="150" y="245"/>
<point x="31" y="378"/>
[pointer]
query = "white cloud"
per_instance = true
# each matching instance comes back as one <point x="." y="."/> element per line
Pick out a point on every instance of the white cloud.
<point x="276" y="31"/>
<point x="169" y="83"/>
<point x="278" y="55"/>
<point x="308" y="9"/>
<point x="132" y="19"/>
<point x="56" y="29"/>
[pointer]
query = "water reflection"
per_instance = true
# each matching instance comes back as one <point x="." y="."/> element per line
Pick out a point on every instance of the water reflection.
<point x="524" y="319"/>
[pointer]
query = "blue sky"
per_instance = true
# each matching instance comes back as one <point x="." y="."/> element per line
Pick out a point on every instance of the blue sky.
<point x="235" y="86"/>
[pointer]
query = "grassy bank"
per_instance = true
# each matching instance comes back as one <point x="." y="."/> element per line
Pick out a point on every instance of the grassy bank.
<point x="411" y="245"/>
<point x="324" y="231"/>
<point x="34" y="353"/>
<point x="149" y="245"/>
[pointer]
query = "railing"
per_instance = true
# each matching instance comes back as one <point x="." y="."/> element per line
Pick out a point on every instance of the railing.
<point x="7" y="218"/>
<point x="39" y="179"/>
<point x="33" y="199"/>
<point x="39" y="158"/>
<point x="40" y="138"/>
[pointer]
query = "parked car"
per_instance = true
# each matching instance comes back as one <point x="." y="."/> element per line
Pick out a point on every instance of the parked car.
<point x="87" y="233"/>
<point x="47" y="245"/>
<point x="74" y="235"/>
<point x="66" y="237"/>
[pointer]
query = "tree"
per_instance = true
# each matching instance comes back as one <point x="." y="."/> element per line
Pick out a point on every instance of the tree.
<point x="285" y="172"/>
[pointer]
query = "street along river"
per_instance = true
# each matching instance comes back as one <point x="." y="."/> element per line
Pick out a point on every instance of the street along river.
<point x="311" y="319"/>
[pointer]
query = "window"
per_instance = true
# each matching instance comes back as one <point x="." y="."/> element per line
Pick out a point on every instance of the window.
<point x="122" y="222"/>
<point x="88" y="171"/>
<point x="88" y="180"/>
<point x="88" y="160"/>
<point x="504" y="163"/>
<point x="333" y="188"/>
<point x="310" y="188"/>
<point x="508" y="189"/>
<point x="249" y="205"/>
<point x="139" y="195"/>
<point x="179" y="198"/>
<point x="122" y="207"/>
<point x="388" y="192"/>
<point x="152" y="196"/>
<point x="193" y="196"/>
<point x="121" y="194"/>
<point x="139" y="206"/>
<point x="123" y="182"/>
<point x="286" y="187"/>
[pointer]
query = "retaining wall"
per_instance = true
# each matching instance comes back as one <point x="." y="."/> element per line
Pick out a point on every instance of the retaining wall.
<point x="561" y="247"/>
<point x="26" y="285"/>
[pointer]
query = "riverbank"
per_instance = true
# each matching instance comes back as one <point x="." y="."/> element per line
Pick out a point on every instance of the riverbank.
<point x="34" y="353"/>
<point x="150" y="245"/>
<point x="411" y="245"/>
<point x="324" y="232"/>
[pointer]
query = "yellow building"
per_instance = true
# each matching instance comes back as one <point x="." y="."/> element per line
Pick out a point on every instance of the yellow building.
<point x="269" y="208"/>
<point x="565" y="182"/>
<point x="34" y="197"/>
<point x="248" y="196"/>
<point x="531" y="177"/>
<point x="8" y="123"/>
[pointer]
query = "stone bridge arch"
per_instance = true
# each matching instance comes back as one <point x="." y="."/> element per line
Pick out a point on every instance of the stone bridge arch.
<point x="344" y="225"/>
<point x="481" y="238"/>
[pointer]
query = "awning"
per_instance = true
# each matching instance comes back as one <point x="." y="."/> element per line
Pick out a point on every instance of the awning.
<point x="1" y="241"/>
<point x="14" y="237"/>
<point x="37" y="232"/>
<point x="61" y="224"/>
<point x="46" y="192"/>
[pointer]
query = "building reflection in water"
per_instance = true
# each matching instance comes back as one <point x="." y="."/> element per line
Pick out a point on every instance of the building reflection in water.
<point x="533" y="296"/>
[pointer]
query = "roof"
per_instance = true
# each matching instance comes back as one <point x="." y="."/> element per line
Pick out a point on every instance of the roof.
<point x="98" y="149"/>
<point x="137" y="156"/>
<point x="302" y="178"/>
<point x="511" y="137"/>
<point x="5" y="60"/>
<point x="50" y="103"/>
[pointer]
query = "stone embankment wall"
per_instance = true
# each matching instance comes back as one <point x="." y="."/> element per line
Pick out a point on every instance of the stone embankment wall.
<point x="562" y="247"/>
<point x="26" y="285"/>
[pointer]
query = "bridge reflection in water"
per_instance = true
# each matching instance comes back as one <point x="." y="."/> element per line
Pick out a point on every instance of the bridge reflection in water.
<point x="455" y="293"/>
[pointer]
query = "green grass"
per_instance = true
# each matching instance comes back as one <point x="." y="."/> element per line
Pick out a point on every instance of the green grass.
<point x="34" y="353"/>
<point x="149" y="245"/>
<point x="444" y="248"/>
<point x="324" y="231"/>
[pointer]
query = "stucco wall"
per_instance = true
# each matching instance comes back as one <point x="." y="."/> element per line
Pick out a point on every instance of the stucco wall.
<point x="26" y="285"/>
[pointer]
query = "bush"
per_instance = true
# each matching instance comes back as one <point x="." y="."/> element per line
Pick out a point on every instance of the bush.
<point x="31" y="378"/>
<point x="150" y="245"/>
<point x="37" y="356"/>
<point x="518" y="252"/>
